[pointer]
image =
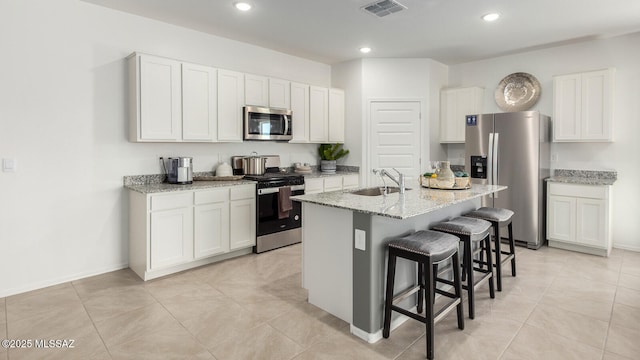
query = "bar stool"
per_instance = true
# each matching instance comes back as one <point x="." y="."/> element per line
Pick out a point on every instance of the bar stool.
<point x="471" y="230"/>
<point x="498" y="218"/>
<point x="427" y="248"/>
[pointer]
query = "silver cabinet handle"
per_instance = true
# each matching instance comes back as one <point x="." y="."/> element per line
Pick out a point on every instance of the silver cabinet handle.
<point x="496" y="143"/>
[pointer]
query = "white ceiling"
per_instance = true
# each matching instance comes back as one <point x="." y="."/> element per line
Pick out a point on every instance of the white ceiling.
<point x="449" y="31"/>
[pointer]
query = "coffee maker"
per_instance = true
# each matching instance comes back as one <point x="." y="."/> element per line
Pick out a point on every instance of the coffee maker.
<point x="180" y="170"/>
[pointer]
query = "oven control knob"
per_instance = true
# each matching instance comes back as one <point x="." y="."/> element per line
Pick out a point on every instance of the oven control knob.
<point x="296" y="218"/>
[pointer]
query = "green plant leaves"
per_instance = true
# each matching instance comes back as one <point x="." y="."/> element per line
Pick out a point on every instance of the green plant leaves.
<point x="331" y="151"/>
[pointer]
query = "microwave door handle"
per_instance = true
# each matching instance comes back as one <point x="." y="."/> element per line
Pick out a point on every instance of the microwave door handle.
<point x="286" y="125"/>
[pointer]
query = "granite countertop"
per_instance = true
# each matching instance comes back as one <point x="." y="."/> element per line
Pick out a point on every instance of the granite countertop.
<point x="149" y="184"/>
<point x="319" y="174"/>
<point x="584" y="177"/>
<point x="414" y="202"/>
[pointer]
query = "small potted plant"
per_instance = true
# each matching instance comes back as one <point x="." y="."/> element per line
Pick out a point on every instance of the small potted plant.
<point x="329" y="153"/>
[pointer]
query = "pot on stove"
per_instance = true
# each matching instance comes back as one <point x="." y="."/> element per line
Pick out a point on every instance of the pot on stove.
<point x="254" y="164"/>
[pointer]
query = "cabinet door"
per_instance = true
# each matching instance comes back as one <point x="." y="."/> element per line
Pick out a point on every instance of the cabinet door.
<point x="313" y="186"/>
<point x="211" y="228"/>
<point x="256" y="90"/>
<point x="561" y="218"/>
<point x="300" y="109"/>
<point x="318" y="114"/>
<point x="350" y="182"/>
<point x="591" y="220"/>
<point x="171" y="237"/>
<point x="199" y="102"/>
<point x="230" y="103"/>
<point x="596" y="106"/>
<point x="160" y="114"/>
<point x="336" y="116"/>
<point x="455" y="104"/>
<point x="279" y="94"/>
<point x="242" y="223"/>
<point x="567" y="107"/>
<point x="333" y="183"/>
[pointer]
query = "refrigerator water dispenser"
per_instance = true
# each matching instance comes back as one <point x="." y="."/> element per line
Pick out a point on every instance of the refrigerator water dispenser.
<point x="478" y="167"/>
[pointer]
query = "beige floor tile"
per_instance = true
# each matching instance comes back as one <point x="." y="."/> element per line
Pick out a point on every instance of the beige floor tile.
<point x="173" y="286"/>
<point x="525" y="286"/>
<point x="270" y="309"/>
<point x="61" y="322"/>
<point x="118" y="300"/>
<point x="595" y="272"/>
<point x="630" y="264"/>
<point x="589" y="289"/>
<point x="628" y="297"/>
<point x="87" y="344"/>
<point x="340" y="348"/>
<point x="574" y="300"/>
<point x="623" y="341"/>
<point x="575" y="326"/>
<point x="172" y="342"/>
<point x="612" y="356"/>
<point x="221" y="323"/>
<point x="399" y="339"/>
<point x="245" y="291"/>
<point x="629" y="281"/>
<point x="626" y="316"/>
<point x="287" y="288"/>
<point x="116" y="279"/>
<point x="195" y="303"/>
<point x="133" y="324"/>
<point x="452" y="344"/>
<point x="242" y="267"/>
<point x="262" y="342"/>
<point x="305" y="329"/>
<point x="3" y="310"/>
<point x="532" y="343"/>
<point x="507" y="304"/>
<point x="3" y="335"/>
<point x="40" y="302"/>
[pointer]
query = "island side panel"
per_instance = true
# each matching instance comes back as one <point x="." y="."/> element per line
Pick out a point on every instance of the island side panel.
<point x="327" y="258"/>
<point x="370" y="268"/>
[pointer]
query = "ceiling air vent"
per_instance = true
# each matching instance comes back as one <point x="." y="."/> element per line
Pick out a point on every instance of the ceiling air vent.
<point x="383" y="8"/>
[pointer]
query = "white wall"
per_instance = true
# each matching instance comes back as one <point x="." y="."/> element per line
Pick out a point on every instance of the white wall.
<point x="348" y="76"/>
<point x="622" y="155"/>
<point x="63" y="117"/>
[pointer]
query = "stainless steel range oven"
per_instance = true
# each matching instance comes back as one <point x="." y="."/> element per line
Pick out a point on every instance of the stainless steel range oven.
<point x="275" y="230"/>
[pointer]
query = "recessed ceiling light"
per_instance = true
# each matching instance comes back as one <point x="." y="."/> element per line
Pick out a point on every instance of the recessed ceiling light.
<point x="365" y="50"/>
<point x="243" y="6"/>
<point x="491" y="16"/>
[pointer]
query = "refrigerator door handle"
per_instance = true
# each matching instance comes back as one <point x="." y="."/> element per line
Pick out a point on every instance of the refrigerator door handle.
<point x="496" y="143"/>
<point x="490" y="163"/>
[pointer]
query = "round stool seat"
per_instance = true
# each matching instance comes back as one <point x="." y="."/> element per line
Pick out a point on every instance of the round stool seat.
<point x="437" y="245"/>
<point x="475" y="229"/>
<point x="500" y="215"/>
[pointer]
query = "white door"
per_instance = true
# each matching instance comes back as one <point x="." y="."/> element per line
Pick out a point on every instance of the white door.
<point x="395" y="139"/>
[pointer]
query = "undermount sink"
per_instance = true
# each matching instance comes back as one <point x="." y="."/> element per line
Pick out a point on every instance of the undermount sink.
<point x="377" y="191"/>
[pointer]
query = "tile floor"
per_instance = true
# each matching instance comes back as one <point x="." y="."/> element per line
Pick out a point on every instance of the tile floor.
<point x="562" y="305"/>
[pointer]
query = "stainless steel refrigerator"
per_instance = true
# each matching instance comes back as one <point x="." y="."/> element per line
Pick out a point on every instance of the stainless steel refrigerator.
<point x="512" y="149"/>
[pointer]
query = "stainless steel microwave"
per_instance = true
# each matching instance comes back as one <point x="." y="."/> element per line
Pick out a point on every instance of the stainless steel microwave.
<point x="262" y="123"/>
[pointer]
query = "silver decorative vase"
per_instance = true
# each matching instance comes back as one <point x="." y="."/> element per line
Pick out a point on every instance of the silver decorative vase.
<point x="328" y="166"/>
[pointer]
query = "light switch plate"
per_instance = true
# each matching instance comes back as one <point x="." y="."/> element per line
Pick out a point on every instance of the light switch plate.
<point x="361" y="239"/>
<point x="9" y="165"/>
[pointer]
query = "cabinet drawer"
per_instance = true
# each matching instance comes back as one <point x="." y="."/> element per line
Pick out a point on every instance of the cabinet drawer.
<point x="350" y="181"/>
<point x="576" y="190"/>
<point x="211" y="196"/>
<point x="333" y="183"/>
<point x="173" y="201"/>
<point x="243" y="192"/>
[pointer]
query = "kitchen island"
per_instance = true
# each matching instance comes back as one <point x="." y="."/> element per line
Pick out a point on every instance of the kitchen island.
<point x="344" y="246"/>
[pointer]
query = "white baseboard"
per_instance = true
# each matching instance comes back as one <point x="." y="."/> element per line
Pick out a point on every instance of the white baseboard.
<point x="60" y="280"/>
<point x="626" y="247"/>
<point x="376" y="336"/>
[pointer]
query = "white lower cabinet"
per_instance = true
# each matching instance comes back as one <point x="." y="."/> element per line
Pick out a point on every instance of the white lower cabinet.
<point x="578" y="217"/>
<point x="331" y="183"/>
<point x="171" y="232"/>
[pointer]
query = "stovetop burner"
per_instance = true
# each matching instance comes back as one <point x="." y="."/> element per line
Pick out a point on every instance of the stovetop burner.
<point x="276" y="179"/>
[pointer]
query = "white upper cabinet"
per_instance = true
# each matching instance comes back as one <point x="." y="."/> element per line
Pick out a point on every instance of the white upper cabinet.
<point x="154" y="87"/>
<point x="583" y="106"/>
<point x="230" y="102"/>
<point x="336" y="116"/>
<point x="199" y="103"/>
<point x="318" y="114"/>
<point x="256" y="90"/>
<point x="455" y="104"/>
<point x="300" y="109"/>
<point x="279" y="94"/>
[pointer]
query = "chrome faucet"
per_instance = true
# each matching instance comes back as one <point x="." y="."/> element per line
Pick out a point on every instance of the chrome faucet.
<point x="399" y="180"/>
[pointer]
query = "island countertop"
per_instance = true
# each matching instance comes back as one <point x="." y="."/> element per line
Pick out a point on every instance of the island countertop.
<point x="414" y="202"/>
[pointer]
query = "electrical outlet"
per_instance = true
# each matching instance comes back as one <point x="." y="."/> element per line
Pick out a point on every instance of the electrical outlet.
<point x="9" y="165"/>
<point x="554" y="157"/>
<point x="361" y="239"/>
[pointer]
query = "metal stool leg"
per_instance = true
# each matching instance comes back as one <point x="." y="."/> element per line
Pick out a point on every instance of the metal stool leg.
<point x="496" y="233"/>
<point x="512" y="249"/>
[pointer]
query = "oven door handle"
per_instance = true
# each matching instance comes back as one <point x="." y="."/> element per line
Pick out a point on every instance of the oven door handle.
<point x="277" y="189"/>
